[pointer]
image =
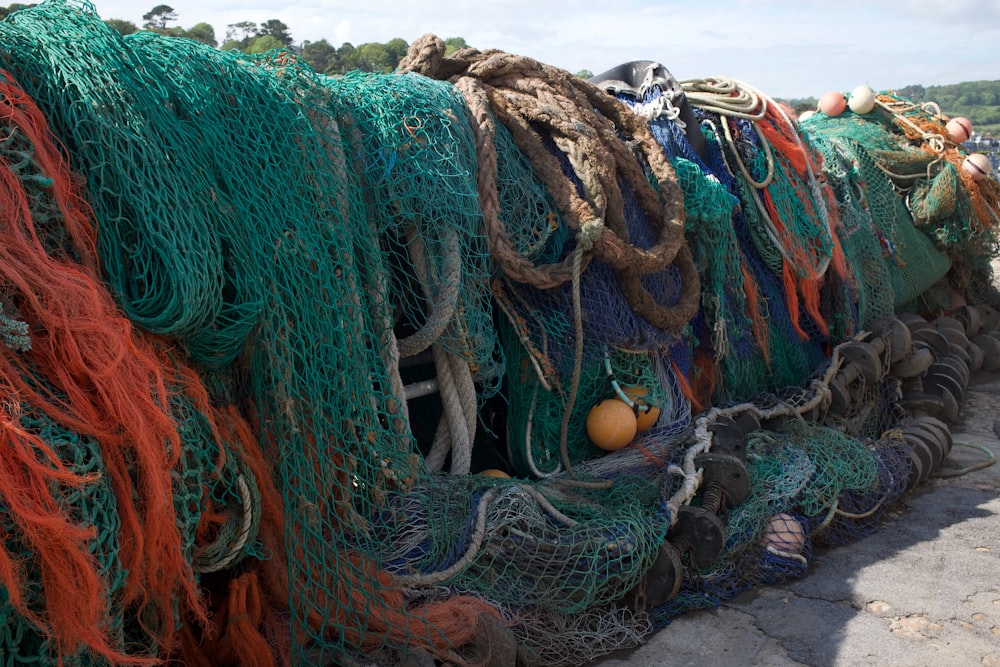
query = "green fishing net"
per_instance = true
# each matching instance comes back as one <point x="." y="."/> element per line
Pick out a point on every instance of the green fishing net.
<point x="317" y="251"/>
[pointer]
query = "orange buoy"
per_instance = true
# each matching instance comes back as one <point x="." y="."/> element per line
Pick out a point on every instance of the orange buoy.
<point x="832" y="103"/>
<point x="644" y="418"/>
<point x="959" y="129"/>
<point x="494" y="472"/>
<point x="977" y="165"/>
<point x="611" y="424"/>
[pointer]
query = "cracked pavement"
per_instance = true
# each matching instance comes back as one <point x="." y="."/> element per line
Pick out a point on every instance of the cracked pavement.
<point x="921" y="591"/>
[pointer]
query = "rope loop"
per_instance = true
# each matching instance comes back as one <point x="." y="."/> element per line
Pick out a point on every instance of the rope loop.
<point x="541" y="105"/>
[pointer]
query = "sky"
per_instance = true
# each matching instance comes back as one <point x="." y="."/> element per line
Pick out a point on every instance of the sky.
<point x="786" y="49"/>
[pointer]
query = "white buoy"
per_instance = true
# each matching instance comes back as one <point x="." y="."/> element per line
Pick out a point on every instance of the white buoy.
<point x="862" y="99"/>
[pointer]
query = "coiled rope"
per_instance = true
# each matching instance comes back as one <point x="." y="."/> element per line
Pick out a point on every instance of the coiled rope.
<point x="530" y="99"/>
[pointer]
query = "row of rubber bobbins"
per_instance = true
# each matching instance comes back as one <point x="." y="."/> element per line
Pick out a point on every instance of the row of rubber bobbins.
<point x="962" y="343"/>
<point x="931" y="360"/>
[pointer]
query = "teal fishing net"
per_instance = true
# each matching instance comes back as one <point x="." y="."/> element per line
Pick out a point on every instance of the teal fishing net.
<point x="363" y="292"/>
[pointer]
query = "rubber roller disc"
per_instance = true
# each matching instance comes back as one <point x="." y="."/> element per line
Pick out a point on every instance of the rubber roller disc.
<point x="840" y="395"/>
<point x="774" y="423"/>
<point x="969" y="317"/>
<point x="915" y="438"/>
<point x="942" y="429"/>
<point x="913" y="320"/>
<point x="699" y="533"/>
<point x="916" y="472"/>
<point x="961" y="366"/>
<point x="864" y="357"/>
<point x="896" y="334"/>
<point x="961" y="352"/>
<point x="960" y="357"/>
<point x="975" y="357"/>
<point x="946" y="377"/>
<point x="728" y="437"/>
<point x="934" y="339"/>
<point x="947" y="322"/>
<point x="661" y="582"/>
<point x="991" y="352"/>
<point x="727" y="471"/>
<point x="956" y="369"/>
<point x="932" y="382"/>
<point x="930" y="437"/>
<point x="811" y="415"/>
<point x="923" y="451"/>
<point x="948" y="399"/>
<point x="922" y="403"/>
<point x="954" y="335"/>
<point x="913" y="365"/>
<point x="748" y="421"/>
<point x="989" y="317"/>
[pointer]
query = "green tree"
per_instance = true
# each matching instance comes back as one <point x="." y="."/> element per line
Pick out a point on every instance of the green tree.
<point x="584" y="74"/>
<point x="396" y="48"/>
<point x="276" y="29"/>
<point x="202" y="32"/>
<point x="320" y="55"/>
<point x="453" y="44"/>
<point x="373" y="57"/>
<point x="122" y="27"/>
<point x="916" y="94"/>
<point x="158" y="17"/>
<point x="264" y="44"/>
<point x="241" y="33"/>
<point x="346" y="58"/>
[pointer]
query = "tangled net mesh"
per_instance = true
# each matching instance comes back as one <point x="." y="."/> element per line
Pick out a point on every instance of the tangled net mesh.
<point x="264" y="330"/>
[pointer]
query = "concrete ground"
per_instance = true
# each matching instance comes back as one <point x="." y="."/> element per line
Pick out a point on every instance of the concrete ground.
<point x="923" y="590"/>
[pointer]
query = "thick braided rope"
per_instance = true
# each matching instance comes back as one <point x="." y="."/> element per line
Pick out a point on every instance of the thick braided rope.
<point x="584" y="122"/>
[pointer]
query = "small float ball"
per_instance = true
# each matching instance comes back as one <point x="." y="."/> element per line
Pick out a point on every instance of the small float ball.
<point x="977" y="165"/>
<point x="494" y="472"/>
<point x="784" y="533"/>
<point x="644" y="419"/>
<point x="611" y="424"/>
<point x="832" y="103"/>
<point x="862" y="99"/>
<point x="959" y="129"/>
<point x="805" y="115"/>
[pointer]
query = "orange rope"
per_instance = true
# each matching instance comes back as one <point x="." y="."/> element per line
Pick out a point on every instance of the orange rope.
<point x="761" y="330"/>
<point x="686" y="389"/>
<point x="99" y="378"/>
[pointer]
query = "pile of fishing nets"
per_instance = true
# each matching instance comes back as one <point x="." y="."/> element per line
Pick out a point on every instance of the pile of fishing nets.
<point x="303" y="370"/>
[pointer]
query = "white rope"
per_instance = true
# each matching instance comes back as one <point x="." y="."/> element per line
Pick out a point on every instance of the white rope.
<point x="528" y="453"/>
<point x="443" y="307"/>
<point x="703" y="436"/>
<point x="474" y="546"/>
<point x="241" y="538"/>
<point x="461" y="455"/>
